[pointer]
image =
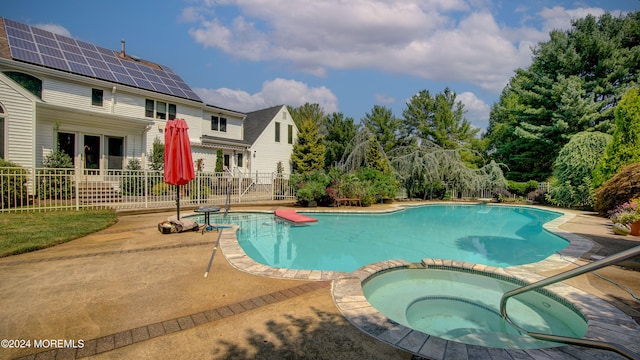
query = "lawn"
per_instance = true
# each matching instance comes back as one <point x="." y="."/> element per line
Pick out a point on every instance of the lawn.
<point x="29" y="231"/>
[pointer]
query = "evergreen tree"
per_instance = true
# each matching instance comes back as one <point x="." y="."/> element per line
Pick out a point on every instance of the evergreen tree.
<point x="624" y="149"/>
<point x="573" y="84"/>
<point x="339" y="132"/>
<point x="308" y="151"/>
<point x="312" y="112"/>
<point x="573" y="167"/>
<point x="219" y="161"/>
<point x="383" y="125"/>
<point x="439" y="119"/>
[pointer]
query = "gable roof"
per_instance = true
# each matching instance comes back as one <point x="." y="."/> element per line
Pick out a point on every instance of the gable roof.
<point x="28" y="44"/>
<point x="257" y="121"/>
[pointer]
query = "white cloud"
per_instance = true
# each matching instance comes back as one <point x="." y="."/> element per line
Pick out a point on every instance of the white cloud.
<point x="435" y="40"/>
<point x="477" y="111"/>
<point x="273" y="92"/>
<point x="439" y="40"/>
<point x="559" y="18"/>
<point x="54" y="28"/>
<point x="384" y="99"/>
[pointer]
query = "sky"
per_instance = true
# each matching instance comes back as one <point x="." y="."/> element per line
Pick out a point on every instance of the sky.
<point x="346" y="55"/>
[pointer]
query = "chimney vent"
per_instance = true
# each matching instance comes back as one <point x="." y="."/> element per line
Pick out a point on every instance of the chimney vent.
<point x="122" y="53"/>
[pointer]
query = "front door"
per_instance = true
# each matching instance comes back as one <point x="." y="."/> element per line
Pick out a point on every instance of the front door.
<point x="92" y="154"/>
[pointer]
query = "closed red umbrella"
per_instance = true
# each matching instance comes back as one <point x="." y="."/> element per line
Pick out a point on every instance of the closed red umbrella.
<point x="178" y="163"/>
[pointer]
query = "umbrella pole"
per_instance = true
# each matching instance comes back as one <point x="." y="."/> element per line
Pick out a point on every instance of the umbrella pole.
<point x="178" y="199"/>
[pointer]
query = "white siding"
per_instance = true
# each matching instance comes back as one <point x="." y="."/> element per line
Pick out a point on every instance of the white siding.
<point x="73" y="95"/>
<point x="268" y="152"/>
<point x="235" y="130"/>
<point x="19" y="110"/>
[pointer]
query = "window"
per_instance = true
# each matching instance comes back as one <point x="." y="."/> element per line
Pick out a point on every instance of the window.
<point x="158" y="109"/>
<point x="290" y="134"/>
<point x="277" y="131"/>
<point x="148" y="108"/>
<point x="214" y="123"/>
<point x="97" y="96"/>
<point x="172" y="111"/>
<point x="31" y="83"/>
<point x="161" y="110"/>
<point x="1" y="132"/>
<point x="227" y="160"/>
<point x="239" y="160"/>
<point x="218" y="123"/>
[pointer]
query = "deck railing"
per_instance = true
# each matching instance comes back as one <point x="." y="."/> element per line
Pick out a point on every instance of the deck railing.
<point x="44" y="189"/>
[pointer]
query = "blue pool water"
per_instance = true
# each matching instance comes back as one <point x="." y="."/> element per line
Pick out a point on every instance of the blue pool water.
<point x="499" y="236"/>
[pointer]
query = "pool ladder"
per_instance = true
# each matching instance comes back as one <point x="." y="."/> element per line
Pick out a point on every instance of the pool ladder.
<point x="627" y="254"/>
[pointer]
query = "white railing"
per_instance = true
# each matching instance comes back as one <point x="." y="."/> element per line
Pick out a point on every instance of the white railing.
<point x="53" y="189"/>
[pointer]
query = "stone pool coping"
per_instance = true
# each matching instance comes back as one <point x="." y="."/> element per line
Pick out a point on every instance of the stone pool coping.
<point x="604" y="320"/>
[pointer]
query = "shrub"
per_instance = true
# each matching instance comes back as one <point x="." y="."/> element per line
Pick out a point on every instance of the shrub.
<point x="622" y="187"/>
<point x="52" y="182"/>
<point x="132" y="180"/>
<point x="13" y="185"/>
<point x="501" y="195"/>
<point x="160" y="189"/>
<point x="521" y="188"/>
<point x="538" y="196"/>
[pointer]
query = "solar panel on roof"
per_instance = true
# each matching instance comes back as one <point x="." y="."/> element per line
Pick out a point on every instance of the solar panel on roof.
<point x="41" y="47"/>
<point x="65" y="40"/>
<point x="53" y="62"/>
<point x="22" y="44"/>
<point x="81" y="69"/>
<point x="49" y="51"/>
<point x="26" y="55"/>
<point x="91" y="54"/>
<point x="72" y="48"/>
<point x="40" y="40"/>
<point x="95" y="63"/>
<point x="43" y="33"/>
<point x="75" y="57"/>
<point x="104" y="74"/>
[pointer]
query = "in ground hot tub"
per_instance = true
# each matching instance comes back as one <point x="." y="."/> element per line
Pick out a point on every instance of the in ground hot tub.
<point x="463" y="306"/>
<point x="444" y="309"/>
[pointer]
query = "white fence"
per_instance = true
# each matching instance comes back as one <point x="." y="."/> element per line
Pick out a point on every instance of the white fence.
<point x="52" y="189"/>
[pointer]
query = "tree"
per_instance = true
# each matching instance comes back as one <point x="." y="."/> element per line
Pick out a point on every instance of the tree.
<point x="439" y="119"/>
<point x="624" y="149"/>
<point x="157" y="155"/>
<point x="312" y="112"/>
<point x="573" y="168"/>
<point x="219" y="161"/>
<point x="573" y="84"/>
<point x="339" y="132"/>
<point x="308" y="151"/>
<point x="383" y="125"/>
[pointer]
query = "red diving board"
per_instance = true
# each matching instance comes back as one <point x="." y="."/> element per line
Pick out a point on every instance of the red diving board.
<point x="293" y="216"/>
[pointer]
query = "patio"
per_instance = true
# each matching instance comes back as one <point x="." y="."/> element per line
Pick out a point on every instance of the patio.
<point x="131" y="292"/>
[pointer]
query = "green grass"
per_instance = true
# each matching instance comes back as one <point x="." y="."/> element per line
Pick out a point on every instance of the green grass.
<point x="29" y="231"/>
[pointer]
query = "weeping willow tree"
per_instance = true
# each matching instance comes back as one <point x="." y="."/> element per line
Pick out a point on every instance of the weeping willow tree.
<point x="422" y="163"/>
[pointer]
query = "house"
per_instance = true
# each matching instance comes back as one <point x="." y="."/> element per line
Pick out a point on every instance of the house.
<point x="105" y="108"/>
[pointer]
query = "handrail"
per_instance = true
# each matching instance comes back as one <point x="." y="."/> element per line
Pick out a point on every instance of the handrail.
<point x="609" y="260"/>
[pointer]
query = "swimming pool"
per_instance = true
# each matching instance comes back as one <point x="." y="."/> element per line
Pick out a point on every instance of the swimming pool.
<point x="499" y="236"/>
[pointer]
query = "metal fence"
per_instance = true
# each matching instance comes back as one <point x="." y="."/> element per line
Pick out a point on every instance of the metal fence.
<point x="44" y="189"/>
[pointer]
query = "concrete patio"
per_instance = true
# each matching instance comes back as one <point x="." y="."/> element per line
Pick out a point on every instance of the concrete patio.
<point x="130" y="292"/>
